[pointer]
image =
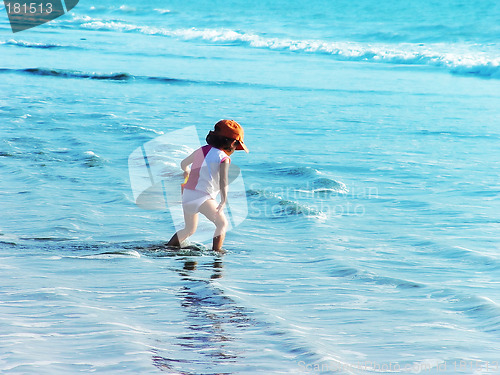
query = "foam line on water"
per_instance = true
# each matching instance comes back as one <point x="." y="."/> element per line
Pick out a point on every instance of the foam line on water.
<point x="28" y="44"/>
<point x="456" y="59"/>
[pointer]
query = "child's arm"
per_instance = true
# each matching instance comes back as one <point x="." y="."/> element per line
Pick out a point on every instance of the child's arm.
<point x="224" y="172"/>
<point x="185" y="164"/>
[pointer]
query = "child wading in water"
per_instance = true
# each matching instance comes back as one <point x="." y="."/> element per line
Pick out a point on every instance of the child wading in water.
<point x="207" y="176"/>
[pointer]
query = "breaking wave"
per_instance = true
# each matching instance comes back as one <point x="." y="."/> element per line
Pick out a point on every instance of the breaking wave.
<point x="457" y="59"/>
<point x="282" y="207"/>
<point x="26" y="44"/>
<point x="68" y="73"/>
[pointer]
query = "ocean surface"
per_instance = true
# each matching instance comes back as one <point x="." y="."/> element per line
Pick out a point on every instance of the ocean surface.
<point x="371" y="244"/>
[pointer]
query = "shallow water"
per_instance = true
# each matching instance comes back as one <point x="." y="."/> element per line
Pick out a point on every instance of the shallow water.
<point x="371" y="242"/>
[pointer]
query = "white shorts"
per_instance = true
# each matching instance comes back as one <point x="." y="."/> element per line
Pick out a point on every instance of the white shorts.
<point x="193" y="199"/>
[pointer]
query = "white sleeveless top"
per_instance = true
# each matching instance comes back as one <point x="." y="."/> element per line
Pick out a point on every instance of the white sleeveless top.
<point x="205" y="171"/>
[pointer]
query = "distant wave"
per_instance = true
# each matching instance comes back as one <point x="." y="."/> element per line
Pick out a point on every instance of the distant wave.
<point x="282" y="207"/>
<point x="125" y="9"/>
<point x="93" y="160"/>
<point x="325" y="187"/>
<point x="25" y="44"/>
<point x="127" y="77"/>
<point x="66" y="73"/>
<point x="71" y="74"/>
<point x="456" y="59"/>
<point x="299" y="171"/>
<point x="121" y="8"/>
<point x="162" y="11"/>
<point x="124" y="77"/>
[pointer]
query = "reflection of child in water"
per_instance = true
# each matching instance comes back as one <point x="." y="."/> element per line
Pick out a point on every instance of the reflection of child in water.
<point x="207" y="176"/>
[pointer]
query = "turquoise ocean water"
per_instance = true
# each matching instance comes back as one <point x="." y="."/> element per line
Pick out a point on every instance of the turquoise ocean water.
<point x="372" y="240"/>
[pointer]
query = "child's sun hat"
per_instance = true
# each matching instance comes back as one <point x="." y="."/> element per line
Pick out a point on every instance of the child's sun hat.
<point x="231" y="129"/>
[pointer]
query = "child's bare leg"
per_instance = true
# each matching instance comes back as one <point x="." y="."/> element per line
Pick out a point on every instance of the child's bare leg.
<point x="191" y="223"/>
<point x="218" y="242"/>
<point x="209" y="209"/>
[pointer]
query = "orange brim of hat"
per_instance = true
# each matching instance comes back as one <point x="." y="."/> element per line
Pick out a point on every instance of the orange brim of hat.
<point x="242" y="146"/>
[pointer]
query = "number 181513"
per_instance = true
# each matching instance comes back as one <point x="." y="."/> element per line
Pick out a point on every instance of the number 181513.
<point x="26" y="8"/>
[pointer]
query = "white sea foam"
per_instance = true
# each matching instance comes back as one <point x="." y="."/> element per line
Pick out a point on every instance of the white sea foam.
<point x="458" y="59"/>
<point x="162" y="11"/>
<point x="27" y="44"/>
<point x="126" y="8"/>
